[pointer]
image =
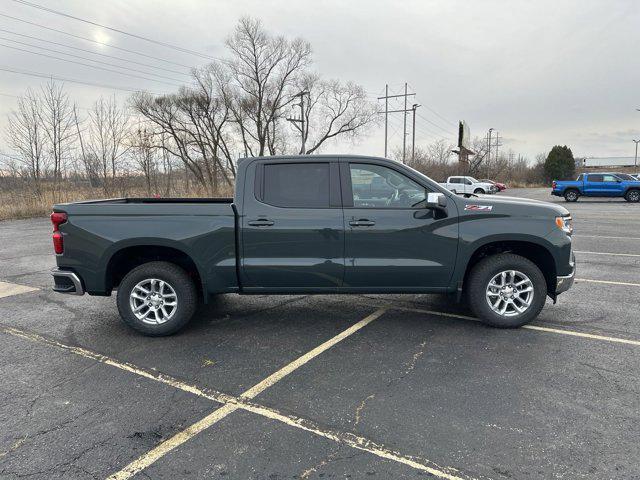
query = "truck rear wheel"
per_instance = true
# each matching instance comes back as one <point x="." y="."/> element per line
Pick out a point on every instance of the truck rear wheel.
<point x="632" y="196"/>
<point x="506" y="290"/>
<point x="157" y="298"/>
<point x="571" y="195"/>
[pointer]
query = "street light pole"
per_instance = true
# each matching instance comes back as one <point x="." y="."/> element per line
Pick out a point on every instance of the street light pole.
<point x="635" y="162"/>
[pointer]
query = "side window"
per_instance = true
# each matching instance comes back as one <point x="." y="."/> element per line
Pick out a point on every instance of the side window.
<point x="455" y="180"/>
<point x="468" y="182"/>
<point x="375" y="186"/>
<point x="302" y="185"/>
<point x="610" y="178"/>
<point x="595" y="178"/>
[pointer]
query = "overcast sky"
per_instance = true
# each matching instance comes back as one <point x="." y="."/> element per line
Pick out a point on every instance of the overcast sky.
<point x="539" y="72"/>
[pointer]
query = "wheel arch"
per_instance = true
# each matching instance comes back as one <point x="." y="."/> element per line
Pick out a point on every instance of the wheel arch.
<point x="124" y="259"/>
<point x="539" y="254"/>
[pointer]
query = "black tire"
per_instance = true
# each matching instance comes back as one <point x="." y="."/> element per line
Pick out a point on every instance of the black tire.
<point x="571" y="195"/>
<point x="486" y="270"/>
<point x="478" y="190"/>
<point x="185" y="293"/>
<point x="632" y="195"/>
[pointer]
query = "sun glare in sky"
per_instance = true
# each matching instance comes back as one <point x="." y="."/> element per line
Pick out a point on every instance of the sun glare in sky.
<point x="100" y="36"/>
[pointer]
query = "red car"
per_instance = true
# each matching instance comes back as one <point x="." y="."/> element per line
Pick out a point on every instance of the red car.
<point x="498" y="185"/>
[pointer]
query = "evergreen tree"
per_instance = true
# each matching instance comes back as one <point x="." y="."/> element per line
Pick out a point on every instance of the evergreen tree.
<point x="560" y="164"/>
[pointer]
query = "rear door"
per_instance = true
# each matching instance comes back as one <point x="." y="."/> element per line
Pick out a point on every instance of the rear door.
<point x="292" y="226"/>
<point x="394" y="242"/>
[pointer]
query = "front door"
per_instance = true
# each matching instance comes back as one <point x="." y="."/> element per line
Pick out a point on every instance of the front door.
<point x="292" y="226"/>
<point x="391" y="240"/>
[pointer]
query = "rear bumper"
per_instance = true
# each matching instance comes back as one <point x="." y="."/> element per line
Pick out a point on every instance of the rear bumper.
<point x="557" y="193"/>
<point x="564" y="282"/>
<point x="65" y="281"/>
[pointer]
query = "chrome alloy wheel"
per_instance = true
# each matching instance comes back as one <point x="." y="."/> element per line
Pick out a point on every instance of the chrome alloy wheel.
<point x="509" y="293"/>
<point x="153" y="301"/>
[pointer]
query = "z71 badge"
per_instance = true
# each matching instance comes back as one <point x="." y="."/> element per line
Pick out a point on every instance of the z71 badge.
<point x="479" y="208"/>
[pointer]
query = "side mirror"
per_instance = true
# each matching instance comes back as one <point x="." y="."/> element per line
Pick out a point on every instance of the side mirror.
<point x="437" y="201"/>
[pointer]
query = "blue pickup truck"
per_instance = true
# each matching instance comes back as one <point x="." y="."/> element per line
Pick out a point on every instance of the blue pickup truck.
<point x="598" y="185"/>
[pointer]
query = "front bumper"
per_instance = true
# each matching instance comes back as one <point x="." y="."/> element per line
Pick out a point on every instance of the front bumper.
<point x="65" y="281"/>
<point x="564" y="282"/>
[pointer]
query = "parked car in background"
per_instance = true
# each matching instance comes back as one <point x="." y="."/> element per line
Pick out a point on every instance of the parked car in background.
<point x="597" y="185"/>
<point x="498" y="185"/>
<point x="467" y="185"/>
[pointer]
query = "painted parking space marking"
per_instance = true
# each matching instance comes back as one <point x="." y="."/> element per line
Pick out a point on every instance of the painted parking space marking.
<point x="9" y="289"/>
<point x="538" y="328"/>
<point x="608" y="253"/>
<point x="605" y="236"/>
<point x="165" y="447"/>
<point x="607" y="282"/>
<point x="345" y="438"/>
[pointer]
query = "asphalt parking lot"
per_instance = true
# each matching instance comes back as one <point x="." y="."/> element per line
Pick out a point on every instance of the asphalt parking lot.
<point x="301" y="387"/>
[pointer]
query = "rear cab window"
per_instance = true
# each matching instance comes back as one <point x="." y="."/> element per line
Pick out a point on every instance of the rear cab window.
<point x="295" y="185"/>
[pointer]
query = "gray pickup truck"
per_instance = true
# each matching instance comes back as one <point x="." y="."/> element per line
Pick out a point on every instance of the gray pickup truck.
<point x="314" y="224"/>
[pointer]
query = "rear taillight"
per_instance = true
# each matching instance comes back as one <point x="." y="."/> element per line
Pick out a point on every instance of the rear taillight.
<point x="57" y="219"/>
<point x="553" y="185"/>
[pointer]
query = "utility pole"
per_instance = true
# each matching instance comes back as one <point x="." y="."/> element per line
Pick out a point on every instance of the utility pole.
<point x="386" y="115"/>
<point x="404" y="130"/>
<point x="635" y="162"/>
<point x="489" y="145"/>
<point x="299" y="122"/>
<point x="413" y="133"/>
<point x="498" y="144"/>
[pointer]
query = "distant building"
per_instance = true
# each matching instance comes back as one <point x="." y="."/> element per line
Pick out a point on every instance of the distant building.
<point x="605" y="162"/>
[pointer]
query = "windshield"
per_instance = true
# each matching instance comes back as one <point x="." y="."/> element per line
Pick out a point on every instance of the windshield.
<point x="625" y="176"/>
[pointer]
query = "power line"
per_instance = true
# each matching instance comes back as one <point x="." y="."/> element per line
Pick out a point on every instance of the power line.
<point x="88" y="59"/>
<point x="93" y="41"/>
<point x="87" y="65"/>
<point x="140" y="37"/>
<point x="90" y="51"/>
<point x="48" y="76"/>
<point x="434" y="124"/>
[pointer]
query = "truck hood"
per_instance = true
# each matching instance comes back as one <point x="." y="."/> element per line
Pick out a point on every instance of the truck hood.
<point x="502" y="205"/>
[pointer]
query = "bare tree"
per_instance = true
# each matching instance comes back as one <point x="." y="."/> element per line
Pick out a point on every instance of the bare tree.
<point x="144" y="152"/>
<point x="332" y="109"/>
<point x="195" y="126"/>
<point x="108" y="130"/>
<point x="264" y="70"/>
<point x="25" y="134"/>
<point x="57" y="119"/>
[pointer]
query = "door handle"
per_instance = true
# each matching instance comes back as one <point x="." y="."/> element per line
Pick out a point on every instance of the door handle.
<point x="261" y="222"/>
<point x="363" y="222"/>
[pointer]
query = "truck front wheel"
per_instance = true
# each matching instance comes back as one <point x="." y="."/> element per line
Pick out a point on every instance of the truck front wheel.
<point x="632" y="196"/>
<point x="478" y="191"/>
<point x="157" y="298"/>
<point x="506" y="290"/>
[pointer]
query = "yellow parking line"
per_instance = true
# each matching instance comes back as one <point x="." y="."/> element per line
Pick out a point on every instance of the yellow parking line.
<point x="10" y="289"/>
<point x="604" y="236"/>
<point x="165" y="447"/>
<point x="560" y="331"/>
<point x="583" y="335"/>
<point x="607" y="253"/>
<point x="232" y="403"/>
<point x="607" y="282"/>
